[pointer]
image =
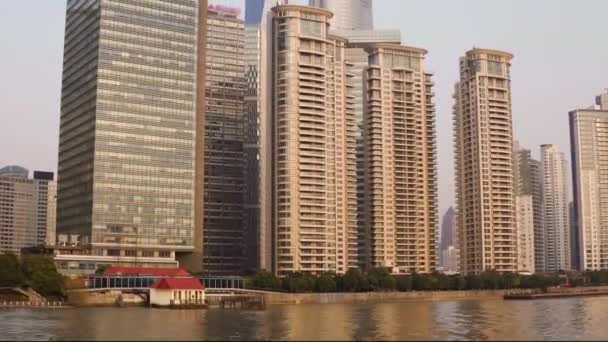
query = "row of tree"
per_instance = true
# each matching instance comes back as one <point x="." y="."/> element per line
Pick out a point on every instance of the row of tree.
<point x="35" y="271"/>
<point x="380" y="279"/>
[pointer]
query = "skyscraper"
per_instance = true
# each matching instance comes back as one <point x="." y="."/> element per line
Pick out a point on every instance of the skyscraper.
<point x="556" y="223"/>
<point x="225" y="239"/>
<point x="132" y="112"/>
<point x="528" y="182"/>
<point x="27" y="209"/>
<point x="348" y="14"/>
<point x="484" y="163"/>
<point x="589" y="143"/>
<point x="400" y="159"/>
<point x="258" y="137"/>
<point x="314" y="162"/>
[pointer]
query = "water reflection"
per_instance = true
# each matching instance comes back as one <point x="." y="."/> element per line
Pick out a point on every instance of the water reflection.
<point x="456" y="320"/>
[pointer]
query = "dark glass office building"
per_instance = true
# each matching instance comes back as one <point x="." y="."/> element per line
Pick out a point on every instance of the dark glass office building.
<point x="130" y="177"/>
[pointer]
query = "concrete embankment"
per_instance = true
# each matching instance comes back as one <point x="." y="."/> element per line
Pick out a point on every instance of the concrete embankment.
<point x="375" y="297"/>
<point x="104" y="298"/>
<point x="559" y="293"/>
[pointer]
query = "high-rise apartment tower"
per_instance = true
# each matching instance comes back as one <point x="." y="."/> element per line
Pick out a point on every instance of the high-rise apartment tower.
<point x="527" y="182"/>
<point x="400" y="160"/>
<point x="556" y="223"/>
<point x="314" y="162"/>
<point x="484" y="163"/>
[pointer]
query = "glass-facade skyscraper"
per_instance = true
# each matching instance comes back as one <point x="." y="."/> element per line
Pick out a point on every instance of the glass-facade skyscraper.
<point x="348" y="14"/>
<point x="130" y="151"/>
<point x="225" y="248"/>
<point x="589" y="146"/>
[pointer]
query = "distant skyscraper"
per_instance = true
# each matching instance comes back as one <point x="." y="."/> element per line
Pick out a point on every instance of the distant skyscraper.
<point x="314" y="162"/>
<point x="400" y="159"/>
<point x="556" y="223"/>
<point x="14" y="171"/>
<point x="254" y="10"/>
<point x="589" y="143"/>
<point x="449" y="244"/>
<point x="527" y="181"/>
<point x="524" y="214"/>
<point x="448" y="229"/>
<point x="483" y="136"/>
<point x="226" y="242"/>
<point x="348" y="14"/>
<point x="132" y="112"/>
<point x="27" y="209"/>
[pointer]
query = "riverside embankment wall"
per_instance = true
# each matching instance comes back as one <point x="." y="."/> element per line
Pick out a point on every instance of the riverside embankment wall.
<point x="375" y="297"/>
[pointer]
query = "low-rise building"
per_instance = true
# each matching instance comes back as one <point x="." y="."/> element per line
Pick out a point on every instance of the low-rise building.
<point x="177" y="292"/>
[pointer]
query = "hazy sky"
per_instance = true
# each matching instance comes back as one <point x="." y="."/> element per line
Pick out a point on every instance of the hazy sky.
<point x="561" y="63"/>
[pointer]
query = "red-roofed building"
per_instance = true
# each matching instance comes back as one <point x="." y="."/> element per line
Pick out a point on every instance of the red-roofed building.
<point x="146" y="271"/>
<point x="176" y="292"/>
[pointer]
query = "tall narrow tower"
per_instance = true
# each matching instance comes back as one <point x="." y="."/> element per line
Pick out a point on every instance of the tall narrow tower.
<point x="589" y="143"/>
<point x="348" y="14"/>
<point x="556" y="224"/>
<point x="314" y="163"/>
<point x="257" y="135"/>
<point x="400" y="159"/>
<point x="484" y="163"/>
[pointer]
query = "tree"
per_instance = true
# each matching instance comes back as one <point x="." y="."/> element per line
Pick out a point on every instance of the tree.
<point x="10" y="271"/>
<point x="325" y="283"/>
<point x="404" y="283"/>
<point x="381" y="279"/>
<point x="42" y="275"/>
<point x="101" y="269"/>
<point x="266" y="280"/>
<point x="353" y="281"/>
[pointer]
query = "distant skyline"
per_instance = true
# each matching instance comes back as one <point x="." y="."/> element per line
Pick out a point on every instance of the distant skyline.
<point x="559" y="66"/>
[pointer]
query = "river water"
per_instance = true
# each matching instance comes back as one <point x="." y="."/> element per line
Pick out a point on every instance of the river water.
<point x="553" y="319"/>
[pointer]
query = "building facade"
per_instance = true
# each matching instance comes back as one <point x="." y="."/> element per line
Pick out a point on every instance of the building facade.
<point x="314" y="161"/>
<point x="556" y="222"/>
<point x="27" y="209"/>
<point x="588" y="143"/>
<point x="130" y="174"/>
<point x="348" y="14"/>
<point x="524" y="214"/>
<point x="225" y="246"/>
<point x="400" y="160"/>
<point x="483" y="137"/>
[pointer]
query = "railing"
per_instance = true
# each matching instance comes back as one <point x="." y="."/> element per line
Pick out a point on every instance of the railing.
<point x="24" y="304"/>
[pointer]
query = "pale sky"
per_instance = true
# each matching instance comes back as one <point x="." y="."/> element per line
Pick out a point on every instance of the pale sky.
<point x="561" y="63"/>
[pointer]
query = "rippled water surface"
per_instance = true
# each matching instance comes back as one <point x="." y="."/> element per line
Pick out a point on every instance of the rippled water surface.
<point x="556" y="319"/>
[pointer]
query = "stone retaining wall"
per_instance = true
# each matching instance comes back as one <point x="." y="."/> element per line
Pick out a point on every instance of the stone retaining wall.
<point x="374" y="297"/>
